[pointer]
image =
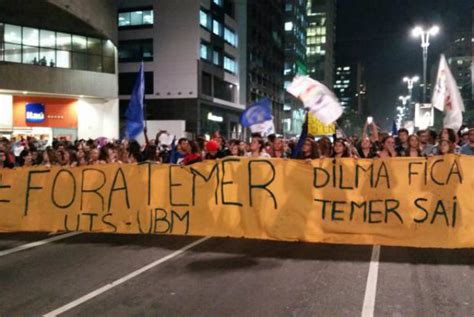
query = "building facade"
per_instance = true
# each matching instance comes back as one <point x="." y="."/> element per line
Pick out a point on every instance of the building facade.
<point x="261" y="37"/>
<point x="320" y="39"/>
<point x="191" y="58"/>
<point x="58" y="77"/>
<point x="351" y="87"/>
<point x="459" y="56"/>
<point x="295" y="62"/>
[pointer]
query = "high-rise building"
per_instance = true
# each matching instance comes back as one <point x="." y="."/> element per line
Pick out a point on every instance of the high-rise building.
<point x="58" y="74"/>
<point x="191" y="61"/>
<point x="320" y="39"/>
<point x="459" y="56"/>
<point x="351" y="86"/>
<point x="261" y="32"/>
<point x="295" y="62"/>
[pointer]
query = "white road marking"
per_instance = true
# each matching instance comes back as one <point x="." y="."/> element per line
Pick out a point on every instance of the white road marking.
<point x="37" y="243"/>
<point x="122" y="280"/>
<point x="371" y="287"/>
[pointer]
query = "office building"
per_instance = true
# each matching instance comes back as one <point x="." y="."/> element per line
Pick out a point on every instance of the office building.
<point x="351" y="87"/>
<point x="295" y="62"/>
<point x="320" y="39"/>
<point x="261" y="36"/>
<point x="191" y="61"/>
<point x="58" y="69"/>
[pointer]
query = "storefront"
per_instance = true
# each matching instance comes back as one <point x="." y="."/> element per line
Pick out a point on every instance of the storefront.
<point x="220" y="119"/>
<point x="45" y="118"/>
<point x="62" y="118"/>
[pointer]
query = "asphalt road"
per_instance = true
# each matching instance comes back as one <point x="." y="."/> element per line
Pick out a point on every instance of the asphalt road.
<point x="227" y="277"/>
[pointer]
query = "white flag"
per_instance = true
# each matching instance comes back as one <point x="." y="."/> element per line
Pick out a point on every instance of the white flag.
<point x="447" y="98"/>
<point x="320" y="101"/>
<point x="265" y="128"/>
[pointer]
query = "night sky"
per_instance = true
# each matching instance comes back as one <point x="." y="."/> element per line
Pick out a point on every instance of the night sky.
<point x="377" y="33"/>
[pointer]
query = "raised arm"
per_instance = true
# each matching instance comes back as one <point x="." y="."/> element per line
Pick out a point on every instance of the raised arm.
<point x="375" y="133"/>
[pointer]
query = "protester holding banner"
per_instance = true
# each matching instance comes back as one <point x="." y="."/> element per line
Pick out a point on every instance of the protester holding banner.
<point x="235" y="148"/>
<point x="414" y="149"/>
<point x="325" y="147"/>
<point x="212" y="149"/>
<point x="279" y="148"/>
<point x="447" y="134"/>
<point x="257" y="148"/>
<point x="425" y="143"/>
<point x="26" y="159"/>
<point x="468" y="148"/>
<point x="340" y="149"/>
<point x="365" y="149"/>
<point x="309" y="151"/>
<point x="3" y="159"/>
<point x="445" y="147"/>
<point x="387" y="148"/>
<point x="403" y="142"/>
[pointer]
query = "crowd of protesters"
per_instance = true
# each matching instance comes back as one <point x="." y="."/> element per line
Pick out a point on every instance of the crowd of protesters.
<point x="370" y="144"/>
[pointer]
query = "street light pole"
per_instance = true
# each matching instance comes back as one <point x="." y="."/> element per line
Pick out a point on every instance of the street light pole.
<point x="425" y="43"/>
<point x="401" y="115"/>
<point x="410" y="82"/>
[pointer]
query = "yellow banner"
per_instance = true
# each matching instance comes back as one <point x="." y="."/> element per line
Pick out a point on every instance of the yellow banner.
<point x="403" y="201"/>
<point x="316" y="127"/>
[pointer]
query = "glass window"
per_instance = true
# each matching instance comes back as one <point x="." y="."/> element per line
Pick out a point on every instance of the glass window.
<point x="12" y="34"/>
<point x="30" y="36"/>
<point x="223" y="90"/>
<point x="79" y="61"/>
<point x="136" y="50"/>
<point x="229" y="64"/>
<point x="52" y="49"/>
<point x="288" y="7"/>
<point x="108" y="48"/>
<point x="218" y="2"/>
<point x="217" y="28"/>
<point x="109" y="65"/>
<point x="47" y="39"/>
<point x="95" y="63"/>
<point x="203" y="18"/>
<point x="30" y="56"/>
<point x="206" y="84"/>
<point x="79" y="43"/>
<point x="216" y="58"/>
<point x="136" y="18"/>
<point x="94" y="46"/>
<point x="12" y="53"/>
<point x="288" y="26"/>
<point x="230" y="37"/>
<point x="124" y="19"/>
<point x="63" y="59"/>
<point x="204" y="51"/>
<point x="63" y="41"/>
<point x="147" y="50"/>
<point x="148" y="17"/>
<point x="48" y="56"/>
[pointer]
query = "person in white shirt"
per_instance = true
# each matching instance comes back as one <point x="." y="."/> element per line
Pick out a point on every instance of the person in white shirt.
<point x="256" y="148"/>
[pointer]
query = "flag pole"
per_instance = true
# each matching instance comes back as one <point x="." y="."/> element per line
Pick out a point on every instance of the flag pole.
<point x="144" y="97"/>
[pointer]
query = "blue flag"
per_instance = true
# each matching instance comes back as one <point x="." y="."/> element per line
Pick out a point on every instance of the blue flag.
<point x="303" y="135"/>
<point x="134" y="111"/>
<point x="394" y="128"/>
<point x="260" y="111"/>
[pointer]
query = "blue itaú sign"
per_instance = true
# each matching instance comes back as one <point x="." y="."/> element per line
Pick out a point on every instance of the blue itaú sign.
<point x="35" y="112"/>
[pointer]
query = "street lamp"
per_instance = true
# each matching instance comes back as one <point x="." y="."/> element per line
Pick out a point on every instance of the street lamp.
<point x="401" y="110"/>
<point x="404" y="100"/>
<point x="410" y="81"/>
<point x="425" y="43"/>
